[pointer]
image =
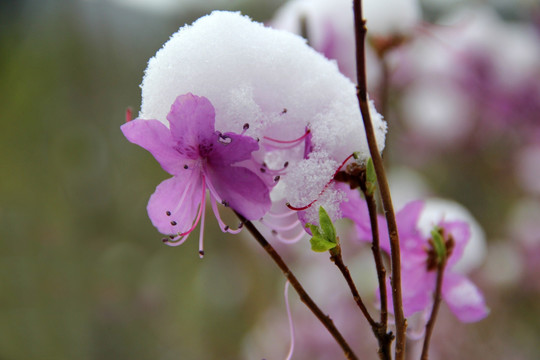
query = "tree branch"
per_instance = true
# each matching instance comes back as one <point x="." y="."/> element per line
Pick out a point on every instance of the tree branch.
<point x="306" y="299"/>
<point x="401" y="322"/>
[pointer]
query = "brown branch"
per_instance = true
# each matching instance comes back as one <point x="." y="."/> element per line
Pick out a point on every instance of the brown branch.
<point x="335" y="256"/>
<point x="434" y="311"/>
<point x="401" y="322"/>
<point x="306" y="299"/>
<point x="385" y="338"/>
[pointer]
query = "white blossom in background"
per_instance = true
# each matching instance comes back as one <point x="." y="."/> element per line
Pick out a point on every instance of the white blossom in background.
<point x="274" y="82"/>
<point x="391" y="17"/>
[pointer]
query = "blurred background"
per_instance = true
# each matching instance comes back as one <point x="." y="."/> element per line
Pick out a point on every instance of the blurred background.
<point x="83" y="273"/>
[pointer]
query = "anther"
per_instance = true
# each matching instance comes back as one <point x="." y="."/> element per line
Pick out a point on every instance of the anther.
<point x="172" y="237"/>
<point x="274" y="232"/>
<point x="246" y="126"/>
<point x="201" y="253"/>
<point x="225" y="203"/>
<point x="286" y="164"/>
<point x="173" y="223"/>
<point x="165" y="240"/>
<point x="224" y="139"/>
<point x="168" y="213"/>
<point x="262" y="169"/>
<point x="226" y="228"/>
<point x="186" y="167"/>
<point x="276" y="179"/>
<point x="241" y="225"/>
<point x="284" y="111"/>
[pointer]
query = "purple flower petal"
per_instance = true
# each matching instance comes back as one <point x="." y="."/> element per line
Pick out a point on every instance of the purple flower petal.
<point x="232" y="148"/>
<point x="192" y="120"/>
<point x="155" y="137"/>
<point x="180" y="197"/>
<point x="242" y="189"/>
<point x="464" y="298"/>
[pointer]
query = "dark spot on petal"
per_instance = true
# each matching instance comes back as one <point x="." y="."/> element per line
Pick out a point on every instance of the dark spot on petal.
<point x="173" y="223"/>
<point x="262" y="170"/>
<point x="168" y="213"/>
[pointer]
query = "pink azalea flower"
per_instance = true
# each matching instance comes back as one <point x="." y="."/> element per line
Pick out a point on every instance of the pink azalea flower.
<point x="417" y="271"/>
<point x="199" y="158"/>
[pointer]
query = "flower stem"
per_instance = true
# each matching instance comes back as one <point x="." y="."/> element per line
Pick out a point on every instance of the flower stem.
<point x="335" y="256"/>
<point x="385" y="338"/>
<point x="401" y="322"/>
<point x="434" y="311"/>
<point x="306" y="299"/>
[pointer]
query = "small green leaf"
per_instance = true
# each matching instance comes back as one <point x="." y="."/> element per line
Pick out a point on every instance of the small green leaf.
<point x="371" y="177"/>
<point x="438" y="244"/>
<point x="320" y="244"/>
<point x="326" y="225"/>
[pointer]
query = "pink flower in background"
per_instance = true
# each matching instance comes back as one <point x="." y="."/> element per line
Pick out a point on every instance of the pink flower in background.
<point x="199" y="158"/>
<point x="417" y="270"/>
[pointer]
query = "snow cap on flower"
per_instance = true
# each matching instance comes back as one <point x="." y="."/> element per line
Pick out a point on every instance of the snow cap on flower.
<point x="266" y="78"/>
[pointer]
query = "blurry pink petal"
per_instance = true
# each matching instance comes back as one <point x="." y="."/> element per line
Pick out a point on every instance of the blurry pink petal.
<point x="156" y="138"/>
<point x="461" y="233"/>
<point x="173" y="206"/>
<point x="464" y="298"/>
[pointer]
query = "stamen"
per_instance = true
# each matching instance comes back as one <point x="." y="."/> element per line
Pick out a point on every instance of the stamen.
<point x="224" y="139"/>
<point x="201" y="208"/>
<point x="323" y="190"/>
<point x="288" y="141"/>
<point x="201" y="229"/>
<point x="291" y="240"/>
<point x="223" y="227"/>
<point x="244" y="128"/>
<point x="277" y="228"/>
<point x="291" y="326"/>
<point x="129" y="114"/>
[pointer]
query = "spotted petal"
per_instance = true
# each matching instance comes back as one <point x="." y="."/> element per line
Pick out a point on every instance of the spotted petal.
<point x="180" y="196"/>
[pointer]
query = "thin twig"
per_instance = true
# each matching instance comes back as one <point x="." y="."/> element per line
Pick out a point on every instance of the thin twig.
<point x="434" y="311"/>
<point x="335" y="256"/>
<point x="306" y="299"/>
<point x="385" y="338"/>
<point x="401" y="322"/>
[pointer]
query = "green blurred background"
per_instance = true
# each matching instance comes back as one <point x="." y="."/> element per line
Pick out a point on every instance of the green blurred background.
<point x="83" y="273"/>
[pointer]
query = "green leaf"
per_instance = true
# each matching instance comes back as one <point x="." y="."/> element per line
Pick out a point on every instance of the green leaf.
<point x="326" y="225"/>
<point x="438" y="244"/>
<point x="323" y="236"/>
<point x="320" y="244"/>
<point x="371" y="177"/>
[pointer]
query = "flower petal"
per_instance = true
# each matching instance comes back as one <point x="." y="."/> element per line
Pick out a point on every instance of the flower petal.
<point x="192" y="120"/>
<point x="232" y="148"/>
<point x="464" y="298"/>
<point x="242" y="189"/>
<point x="155" y="137"/>
<point x="461" y="233"/>
<point x="180" y="196"/>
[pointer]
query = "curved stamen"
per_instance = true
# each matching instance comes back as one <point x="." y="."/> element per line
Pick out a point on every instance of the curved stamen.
<point x="288" y="141"/>
<point x="280" y="215"/>
<point x="281" y="227"/>
<point x="291" y="325"/>
<point x="323" y="190"/>
<point x="292" y="240"/>
<point x="222" y="226"/>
